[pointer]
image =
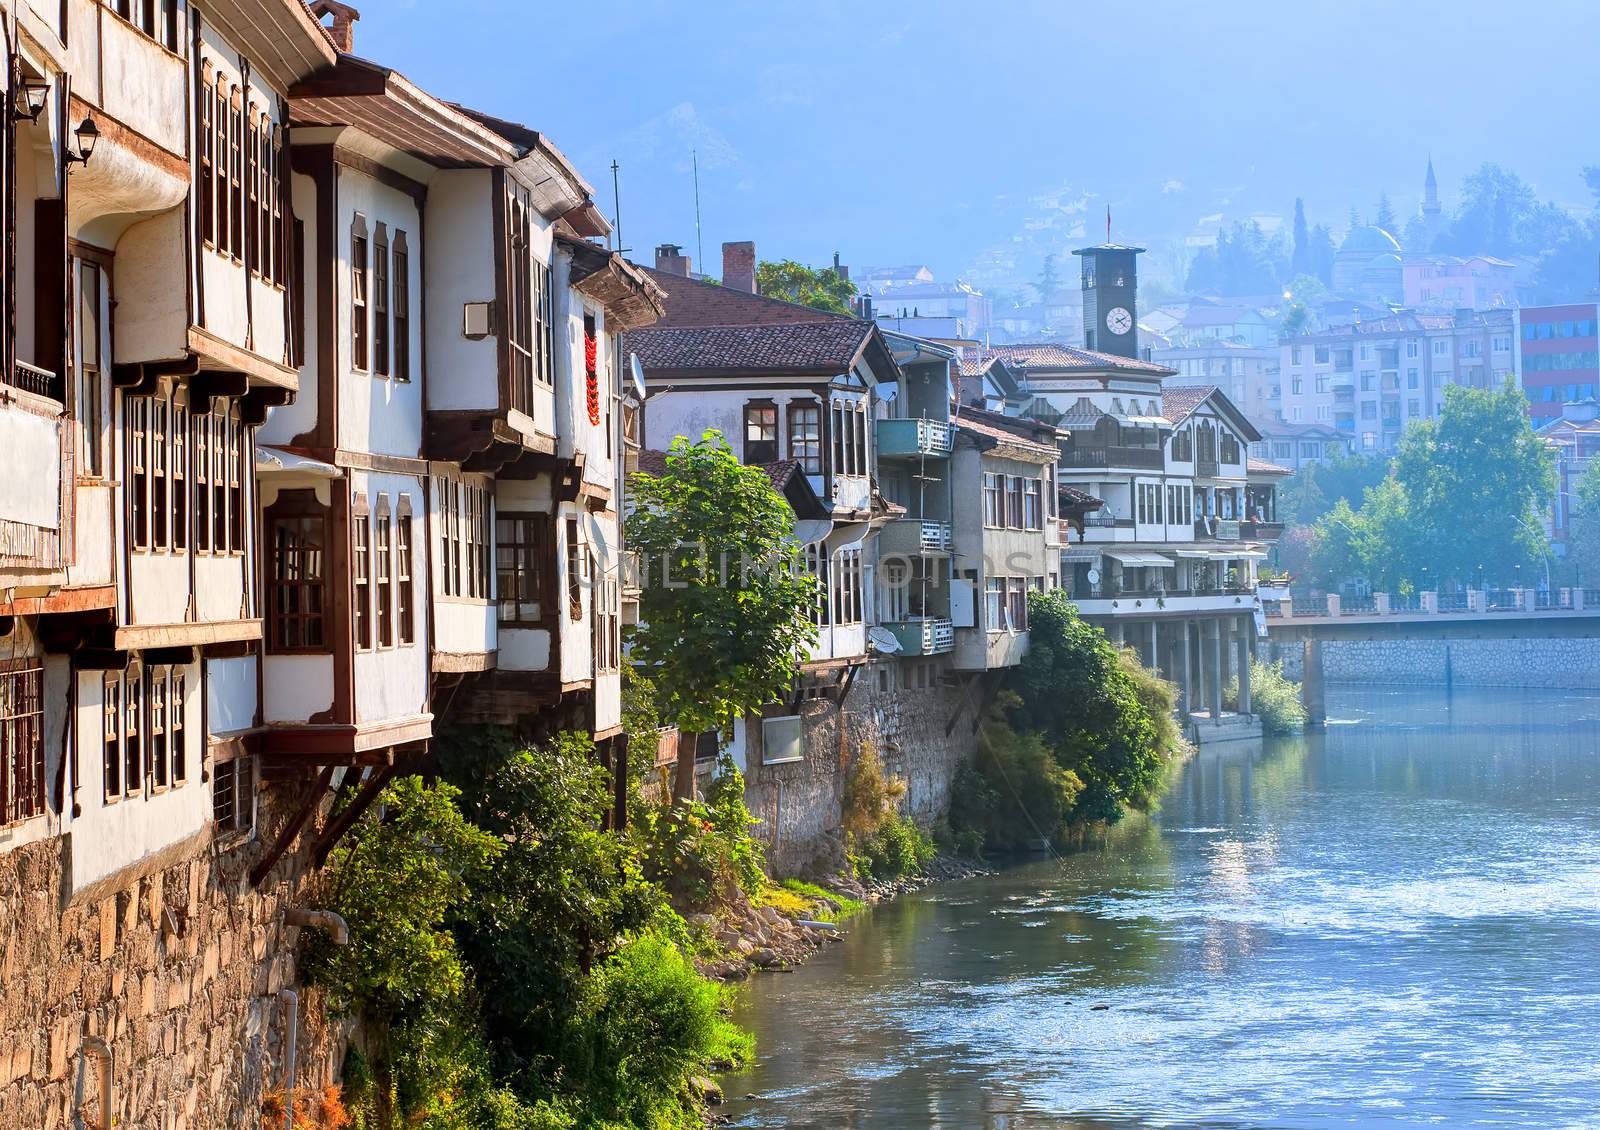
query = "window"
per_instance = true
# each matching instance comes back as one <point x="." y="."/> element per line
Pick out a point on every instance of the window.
<point x="177" y="728"/>
<point x="1294" y="355"/>
<point x="477" y="542"/>
<point x="361" y="564"/>
<point x="236" y="472"/>
<point x="1369" y="381"/>
<point x="1441" y="347"/>
<point x="91" y="380"/>
<point x="607" y="624"/>
<point x="21" y="740"/>
<point x="133" y="732"/>
<point x="994" y="600"/>
<point x="994" y="500"/>
<point x="359" y="280"/>
<point x="383" y="582"/>
<point x="849" y="437"/>
<point x="296" y="591"/>
<point x="1411" y="378"/>
<point x="138" y="408"/>
<point x="464" y="516"/>
<point x="1282" y="450"/>
<point x="380" y="302"/>
<point x="179" y="471"/>
<point x="111" y="734"/>
<point x="760" y="432"/>
<point x="236" y="174"/>
<point x="781" y="740"/>
<point x="805" y="437"/>
<point x="1413" y="407"/>
<point x="1297" y="386"/>
<point x="1032" y="504"/>
<point x="1014" y="502"/>
<point x="847" y="587"/>
<point x="160" y="754"/>
<point x="1369" y="410"/>
<point x="530" y="302"/>
<point x="814" y="560"/>
<point x="576" y="560"/>
<point x="160" y="409"/>
<point x="252" y="188"/>
<point x="405" y="616"/>
<point x="402" y="308"/>
<point x="522" y="557"/>
<point x="233" y="792"/>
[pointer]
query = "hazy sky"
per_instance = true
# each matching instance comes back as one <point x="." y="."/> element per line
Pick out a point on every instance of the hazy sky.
<point x="973" y="137"/>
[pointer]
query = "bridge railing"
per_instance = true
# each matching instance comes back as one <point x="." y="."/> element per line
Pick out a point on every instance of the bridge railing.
<point x="1428" y="603"/>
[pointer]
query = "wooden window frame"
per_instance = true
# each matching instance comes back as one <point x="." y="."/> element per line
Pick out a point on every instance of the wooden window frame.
<point x="524" y="551"/>
<point x="178" y="471"/>
<point x="233" y="794"/>
<point x="360" y="296"/>
<point x="361" y="579"/>
<point x="380" y="301"/>
<point x="302" y="628"/>
<point x="805" y="435"/>
<point x="760" y="415"/>
<point x="178" y="726"/>
<point x="200" y="432"/>
<point x="158" y="464"/>
<point x="91" y="408"/>
<point x="138" y="410"/>
<point x="405" y="566"/>
<point x="22" y="762"/>
<point x="158" y="759"/>
<point x="400" y="266"/>
<point x="383" y="574"/>
<point x="576" y="557"/>
<point x="133" y="737"/>
<point x="111" y="737"/>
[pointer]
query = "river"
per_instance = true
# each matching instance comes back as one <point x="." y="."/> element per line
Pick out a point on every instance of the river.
<point x="1396" y="920"/>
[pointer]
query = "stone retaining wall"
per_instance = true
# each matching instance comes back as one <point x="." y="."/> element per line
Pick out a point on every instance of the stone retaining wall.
<point x="1556" y="663"/>
<point x="799" y="802"/>
<point x="177" y="970"/>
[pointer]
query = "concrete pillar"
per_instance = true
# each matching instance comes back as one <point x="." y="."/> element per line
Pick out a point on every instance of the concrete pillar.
<point x="1530" y="599"/>
<point x="1214" y="690"/>
<point x="1475" y="601"/>
<point x="1245" y="706"/>
<point x="1155" y="646"/>
<point x="1116" y="633"/>
<point x="1312" y="687"/>
<point x="1430" y="602"/>
<point x="1577" y="600"/>
<point x="1225" y="670"/>
<point x="1333" y="604"/>
<point x="1186" y="684"/>
<point x="1380" y="601"/>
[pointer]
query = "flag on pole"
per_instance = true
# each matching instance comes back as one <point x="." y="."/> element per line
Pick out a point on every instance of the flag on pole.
<point x="1108" y="223"/>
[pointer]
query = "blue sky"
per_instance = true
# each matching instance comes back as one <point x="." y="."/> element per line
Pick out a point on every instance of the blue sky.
<point x="974" y="137"/>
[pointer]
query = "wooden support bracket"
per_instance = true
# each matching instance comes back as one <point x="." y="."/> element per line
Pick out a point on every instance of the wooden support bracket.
<point x="291" y="829"/>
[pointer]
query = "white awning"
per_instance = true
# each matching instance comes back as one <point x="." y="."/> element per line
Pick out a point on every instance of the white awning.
<point x="276" y="461"/>
<point x="1080" y="553"/>
<point x="1146" y="421"/>
<point x="1140" y="560"/>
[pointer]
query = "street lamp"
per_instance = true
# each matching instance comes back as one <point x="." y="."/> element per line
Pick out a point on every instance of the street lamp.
<point x="34" y="92"/>
<point x="1480" y="578"/>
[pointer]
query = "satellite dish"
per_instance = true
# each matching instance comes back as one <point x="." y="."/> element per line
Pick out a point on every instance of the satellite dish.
<point x="638" y="374"/>
<point x="1092" y="576"/>
<point x="882" y="639"/>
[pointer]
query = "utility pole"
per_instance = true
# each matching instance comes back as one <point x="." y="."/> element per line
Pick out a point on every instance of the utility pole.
<point x="616" y="208"/>
<point x="699" y="245"/>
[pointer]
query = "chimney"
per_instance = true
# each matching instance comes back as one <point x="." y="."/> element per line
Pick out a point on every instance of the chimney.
<point x="739" y="266"/>
<point x="840" y="269"/>
<point x="344" y="22"/>
<point x="670" y="260"/>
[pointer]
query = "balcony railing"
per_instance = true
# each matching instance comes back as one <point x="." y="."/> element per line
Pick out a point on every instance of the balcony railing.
<point x="1261" y="531"/>
<point x="1143" y="458"/>
<point x="910" y="438"/>
<point x="1103" y="520"/>
<point x="1216" y="529"/>
<point x="31" y="378"/>
<point x="933" y="635"/>
<point x="1205" y="467"/>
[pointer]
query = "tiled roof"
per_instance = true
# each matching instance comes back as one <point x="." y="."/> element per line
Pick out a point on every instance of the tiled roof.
<point x="1020" y="437"/>
<point x="1262" y="467"/>
<point x="653" y="462"/>
<point x="691" y="302"/>
<point x="1073" y="498"/>
<point x="829" y="346"/>
<point x="1180" y="400"/>
<point x="1054" y="356"/>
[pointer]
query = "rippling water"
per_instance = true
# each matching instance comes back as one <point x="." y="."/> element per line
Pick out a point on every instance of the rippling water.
<point x="1395" y="921"/>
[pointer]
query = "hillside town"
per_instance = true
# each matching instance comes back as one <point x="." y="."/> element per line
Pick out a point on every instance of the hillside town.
<point x="325" y="406"/>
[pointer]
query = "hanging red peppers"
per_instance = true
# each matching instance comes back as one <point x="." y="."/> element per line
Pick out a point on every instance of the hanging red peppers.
<point x="590" y="349"/>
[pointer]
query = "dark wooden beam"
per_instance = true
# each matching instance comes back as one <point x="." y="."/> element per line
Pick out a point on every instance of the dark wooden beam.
<point x="215" y="384"/>
<point x="291" y="829"/>
<point x="342" y="823"/>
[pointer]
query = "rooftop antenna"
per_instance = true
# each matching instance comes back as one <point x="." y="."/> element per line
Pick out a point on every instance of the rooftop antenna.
<point x="616" y="208"/>
<point x="699" y="244"/>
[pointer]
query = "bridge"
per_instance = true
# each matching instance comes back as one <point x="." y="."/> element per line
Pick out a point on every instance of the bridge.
<point x="1475" y="615"/>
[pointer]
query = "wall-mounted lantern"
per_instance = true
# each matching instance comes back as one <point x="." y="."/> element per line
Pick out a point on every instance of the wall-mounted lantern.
<point x="87" y="134"/>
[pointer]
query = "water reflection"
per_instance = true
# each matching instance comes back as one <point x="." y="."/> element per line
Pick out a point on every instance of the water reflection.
<point x="1397" y="920"/>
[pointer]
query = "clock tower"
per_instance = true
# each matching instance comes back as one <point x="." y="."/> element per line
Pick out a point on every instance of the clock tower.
<point x="1110" y="314"/>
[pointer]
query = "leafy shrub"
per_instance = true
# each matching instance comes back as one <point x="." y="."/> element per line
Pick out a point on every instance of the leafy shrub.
<point x="1014" y="793"/>
<point x="701" y="852"/>
<point x="897" y="848"/>
<point x="825" y="906"/>
<point x="1274" y="698"/>
<point x="869" y="794"/>
<point x="648" y="1022"/>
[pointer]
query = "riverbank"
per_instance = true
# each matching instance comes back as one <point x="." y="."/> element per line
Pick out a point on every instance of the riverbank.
<point x="747" y="937"/>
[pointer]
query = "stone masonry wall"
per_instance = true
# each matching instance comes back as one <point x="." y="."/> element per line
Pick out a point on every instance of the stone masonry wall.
<point x="1557" y="664"/>
<point x="799" y="803"/>
<point x="178" y="971"/>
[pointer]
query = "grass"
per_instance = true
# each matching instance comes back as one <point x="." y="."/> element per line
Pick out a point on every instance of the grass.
<point x="810" y="896"/>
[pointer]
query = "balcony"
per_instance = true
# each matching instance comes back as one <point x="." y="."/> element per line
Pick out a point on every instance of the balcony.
<point x="914" y="537"/>
<point x="1261" y="531"/>
<point x="934" y="635"/>
<point x="1205" y="467"/>
<point x="1216" y="529"/>
<point x="912" y="439"/>
<point x="1140" y="458"/>
<point x="31" y="378"/>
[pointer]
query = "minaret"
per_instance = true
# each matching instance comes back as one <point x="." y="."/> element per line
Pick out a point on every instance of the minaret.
<point x="1432" y="214"/>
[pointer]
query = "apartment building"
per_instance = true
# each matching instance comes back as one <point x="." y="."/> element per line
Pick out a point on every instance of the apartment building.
<point x="1245" y="374"/>
<point x="1371" y="378"/>
<point x="1557" y="356"/>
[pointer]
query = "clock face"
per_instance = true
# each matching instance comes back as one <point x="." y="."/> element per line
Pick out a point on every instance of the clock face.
<point x="1118" y="320"/>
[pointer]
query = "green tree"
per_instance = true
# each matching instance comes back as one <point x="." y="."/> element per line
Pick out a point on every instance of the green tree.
<point x="1075" y="693"/>
<point x="1477" y="480"/>
<point x="1500" y="215"/>
<point x="1049" y="280"/>
<point x="1335" y="555"/>
<point x="558" y="899"/>
<point x="795" y="282"/>
<point x="1300" y="257"/>
<point x="1583" y="532"/>
<point x="1385" y="218"/>
<point x="725" y="615"/>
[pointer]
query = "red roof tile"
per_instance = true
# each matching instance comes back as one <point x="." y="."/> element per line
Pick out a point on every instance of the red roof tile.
<point x="1262" y="467"/>
<point x="1051" y="355"/>
<point x="691" y="302"/>
<point x="1180" y="400"/>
